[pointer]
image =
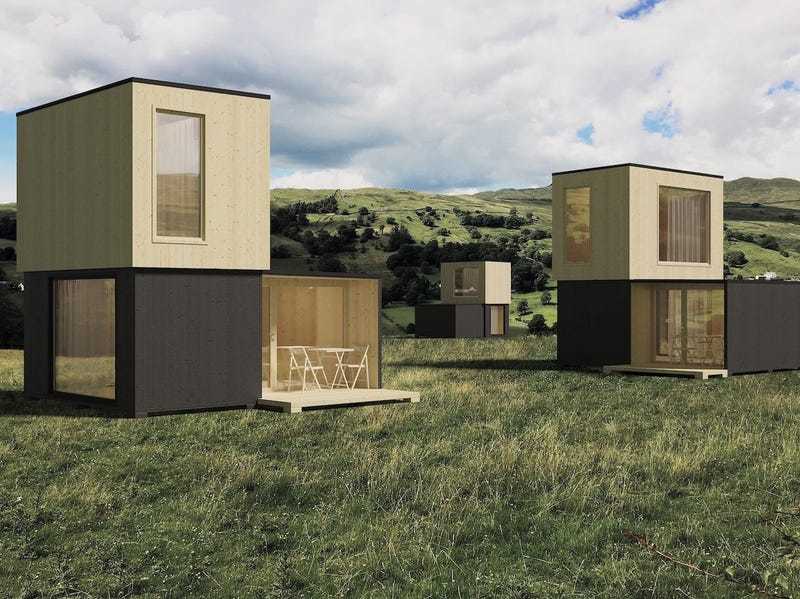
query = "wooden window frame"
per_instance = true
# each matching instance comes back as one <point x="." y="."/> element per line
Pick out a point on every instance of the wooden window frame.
<point x="156" y="238"/>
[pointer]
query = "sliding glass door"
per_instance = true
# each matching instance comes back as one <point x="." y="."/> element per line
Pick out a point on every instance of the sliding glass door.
<point x="689" y="325"/>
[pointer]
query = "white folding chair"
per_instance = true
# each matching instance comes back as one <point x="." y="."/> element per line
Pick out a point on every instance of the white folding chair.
<point x="357" y="369"/>
<point x="300" y="361"/>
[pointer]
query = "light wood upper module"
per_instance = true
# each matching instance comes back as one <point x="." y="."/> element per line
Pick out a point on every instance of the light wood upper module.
<point x="236" y="180"/>
<point x="86" y="186"/>
<point x="624" y="224"/>
<point x="491" y="282"/>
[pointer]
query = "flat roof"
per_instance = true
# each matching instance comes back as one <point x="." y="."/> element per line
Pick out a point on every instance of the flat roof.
<point x="656" y="168"/>
<point x="202" y="88"/>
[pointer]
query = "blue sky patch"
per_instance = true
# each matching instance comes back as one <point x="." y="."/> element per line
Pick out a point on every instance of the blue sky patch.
<point x="641" y="8"/>
<point x="784" y="86"/>
<point x="585" y="134"/>
<point x="663" y="121"/>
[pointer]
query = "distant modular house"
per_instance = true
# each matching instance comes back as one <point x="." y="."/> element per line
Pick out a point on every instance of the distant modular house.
<point x="144" y="242"/>
<point x="637" y="252"/>
<point x="475" y="302"/>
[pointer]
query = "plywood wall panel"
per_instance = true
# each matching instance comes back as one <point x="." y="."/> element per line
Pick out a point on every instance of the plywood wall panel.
<point x="74" y="183"/>
<point x="236" y="180"/>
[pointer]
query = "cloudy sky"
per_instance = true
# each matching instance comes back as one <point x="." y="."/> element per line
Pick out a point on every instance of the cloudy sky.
<point x="444" y="95"/>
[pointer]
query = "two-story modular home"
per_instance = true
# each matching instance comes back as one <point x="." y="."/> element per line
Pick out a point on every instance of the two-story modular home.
<point x="637" y="252"/>
<point x="475" y="301"/>
<point x="144" y="242"/>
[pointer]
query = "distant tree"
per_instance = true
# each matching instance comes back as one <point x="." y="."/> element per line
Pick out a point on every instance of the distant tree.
<point x="768" y="242"/>
<point x="735" y="258"/>
<point x="390" y="220"/>
<point x="538" y="326"/>
<point x="523" y="308"/>
<point x="399" y="237"/>
<point x="529" y="217"/>
<point x="411" y="328"/>
<point x="444" y="232"/>
<point x="538" y="234"/>
<point x="546" y="258"/>
<point x="528" y="275"/>
<point x="330" y="264"/>
<point x="8" y="254"/>
<point x="11" y="320"/>
<point x="418" y="290"/>
<point x="8" y="225"/>
<point x="363" y="211"/>
<point x="428" y="221"/>
<point x="474" y="233"/>
<point x="546" y="298"/>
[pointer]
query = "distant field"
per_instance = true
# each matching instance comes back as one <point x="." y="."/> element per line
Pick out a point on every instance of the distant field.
<point x="510" y="479"/>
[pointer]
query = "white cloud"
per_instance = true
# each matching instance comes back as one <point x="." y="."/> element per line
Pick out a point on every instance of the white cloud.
<point x="331" y="178"/>
<point x="449" y="94"/>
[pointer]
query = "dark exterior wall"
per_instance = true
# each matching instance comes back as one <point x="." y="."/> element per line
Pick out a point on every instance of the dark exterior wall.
<point x="594" y="323"/>
<point x="447" y="321"/>
<point x="762" y="322"/>
<point x="37" y="334"/>
<point x="198" y="340"/>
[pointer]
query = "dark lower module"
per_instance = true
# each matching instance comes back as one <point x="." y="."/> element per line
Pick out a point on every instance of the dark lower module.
<point x="732" y="326"/>
<point x="461" y="320"/>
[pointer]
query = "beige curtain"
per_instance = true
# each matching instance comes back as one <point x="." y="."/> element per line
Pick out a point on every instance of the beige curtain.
<point x="683" y="216"/>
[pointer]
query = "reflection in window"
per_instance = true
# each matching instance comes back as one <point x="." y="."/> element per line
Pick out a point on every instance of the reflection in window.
<point x="178" y="175"/>
<point x="683" y="227"/>
<point x="577" y="224"/>
<point x="84" y="337"/>
<point x="497" y="321"/>
<point x="465" y="281"/>
<point x="690" y="326"/>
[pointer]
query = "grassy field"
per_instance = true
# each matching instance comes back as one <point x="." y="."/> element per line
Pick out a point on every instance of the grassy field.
<point x="510" y="479"/>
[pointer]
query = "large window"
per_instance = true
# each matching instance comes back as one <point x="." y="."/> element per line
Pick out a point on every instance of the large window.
<point x="690" y="325"/>
<point x="497" y="320"/>
<point x="179" y="175"/>
<point x="466" y="280"/>
<point x="578" y="237"/>
<point x="683" y="227"/>
<point x="84" y="337"/>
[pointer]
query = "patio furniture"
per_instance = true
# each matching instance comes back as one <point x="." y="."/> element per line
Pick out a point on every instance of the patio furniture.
<point x="340" y="375"/>
<point x="361" y="366"/>
<point x="300" y="361"/>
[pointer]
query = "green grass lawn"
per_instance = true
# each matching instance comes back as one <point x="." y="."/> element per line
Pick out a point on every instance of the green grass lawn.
<point x="510" y="479"/>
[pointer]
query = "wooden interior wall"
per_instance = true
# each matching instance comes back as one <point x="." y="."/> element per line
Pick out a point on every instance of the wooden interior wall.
<point x="235" y="179"/>
<point x="641" y="323"/>
<point x="609" y="225"/>
<point x="74" y="183"/>
<point x="327" y="312"/>
<point x="644" y="218"/>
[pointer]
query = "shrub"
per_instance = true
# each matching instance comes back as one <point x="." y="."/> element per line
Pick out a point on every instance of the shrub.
<point x="474" y="233"/>
<point x="444" y="232"/>
<point x="330" y="264"/>
<point x="528" y="275"/>
<point x="523" y="307"/>
<point x="546" y="258"/>
<point x="399" y="237"/>
<point x="390" y="220"/>
<point x="411" y="328"/>
<point x="278" y="252"/>
<point x="547" y="298"/>
<point x="367" y="234"/>
<point x="735" y="258"/>
<point x="8" y="254"/>
<point x="538" y="326"/>
<point x="363" y="211"/>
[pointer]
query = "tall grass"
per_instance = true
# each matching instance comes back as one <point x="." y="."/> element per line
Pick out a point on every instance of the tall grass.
<point x="511" y="478"/>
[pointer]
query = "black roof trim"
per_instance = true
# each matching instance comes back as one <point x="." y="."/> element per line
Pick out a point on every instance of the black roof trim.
<point x="655" y="168"/>
<point x="201" y="88"/>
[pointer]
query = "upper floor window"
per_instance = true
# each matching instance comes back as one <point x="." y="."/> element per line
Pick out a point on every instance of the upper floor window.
<point x="683" y="225"/>
<point x="179" y="175"/>
<point x="577" y="225"/>
<point x="466" y="281"/>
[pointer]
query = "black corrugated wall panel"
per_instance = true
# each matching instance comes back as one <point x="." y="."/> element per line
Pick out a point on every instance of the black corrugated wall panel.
<point x="762" y="326"/>
<point x="594" y="323"/>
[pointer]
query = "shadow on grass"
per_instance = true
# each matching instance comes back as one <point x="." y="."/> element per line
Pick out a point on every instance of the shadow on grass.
<point x="16" y="404"/>
<point x="488" y="364"/>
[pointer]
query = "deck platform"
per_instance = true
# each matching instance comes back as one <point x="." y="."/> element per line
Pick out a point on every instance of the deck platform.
<point x="298" y="401"/>
<point x="656" y="369"/>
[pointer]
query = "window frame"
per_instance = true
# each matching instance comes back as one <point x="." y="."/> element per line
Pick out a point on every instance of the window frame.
<point x="565" y="217"/>
<point x="156" y="238"/>
<point x="478" y="290"/>
<point x="51" y="330"/>
<point x="661" y="262"/>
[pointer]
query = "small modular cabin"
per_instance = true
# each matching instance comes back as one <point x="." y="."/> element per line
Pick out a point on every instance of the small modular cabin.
<point x="637" y="252"/>
<point x="144" y="242"/>
<point x="475" y="302"/>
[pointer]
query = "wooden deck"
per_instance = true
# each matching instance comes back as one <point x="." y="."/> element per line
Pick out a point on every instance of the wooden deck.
<point x="298" y="401"/>
<point x="656" y="369"/>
